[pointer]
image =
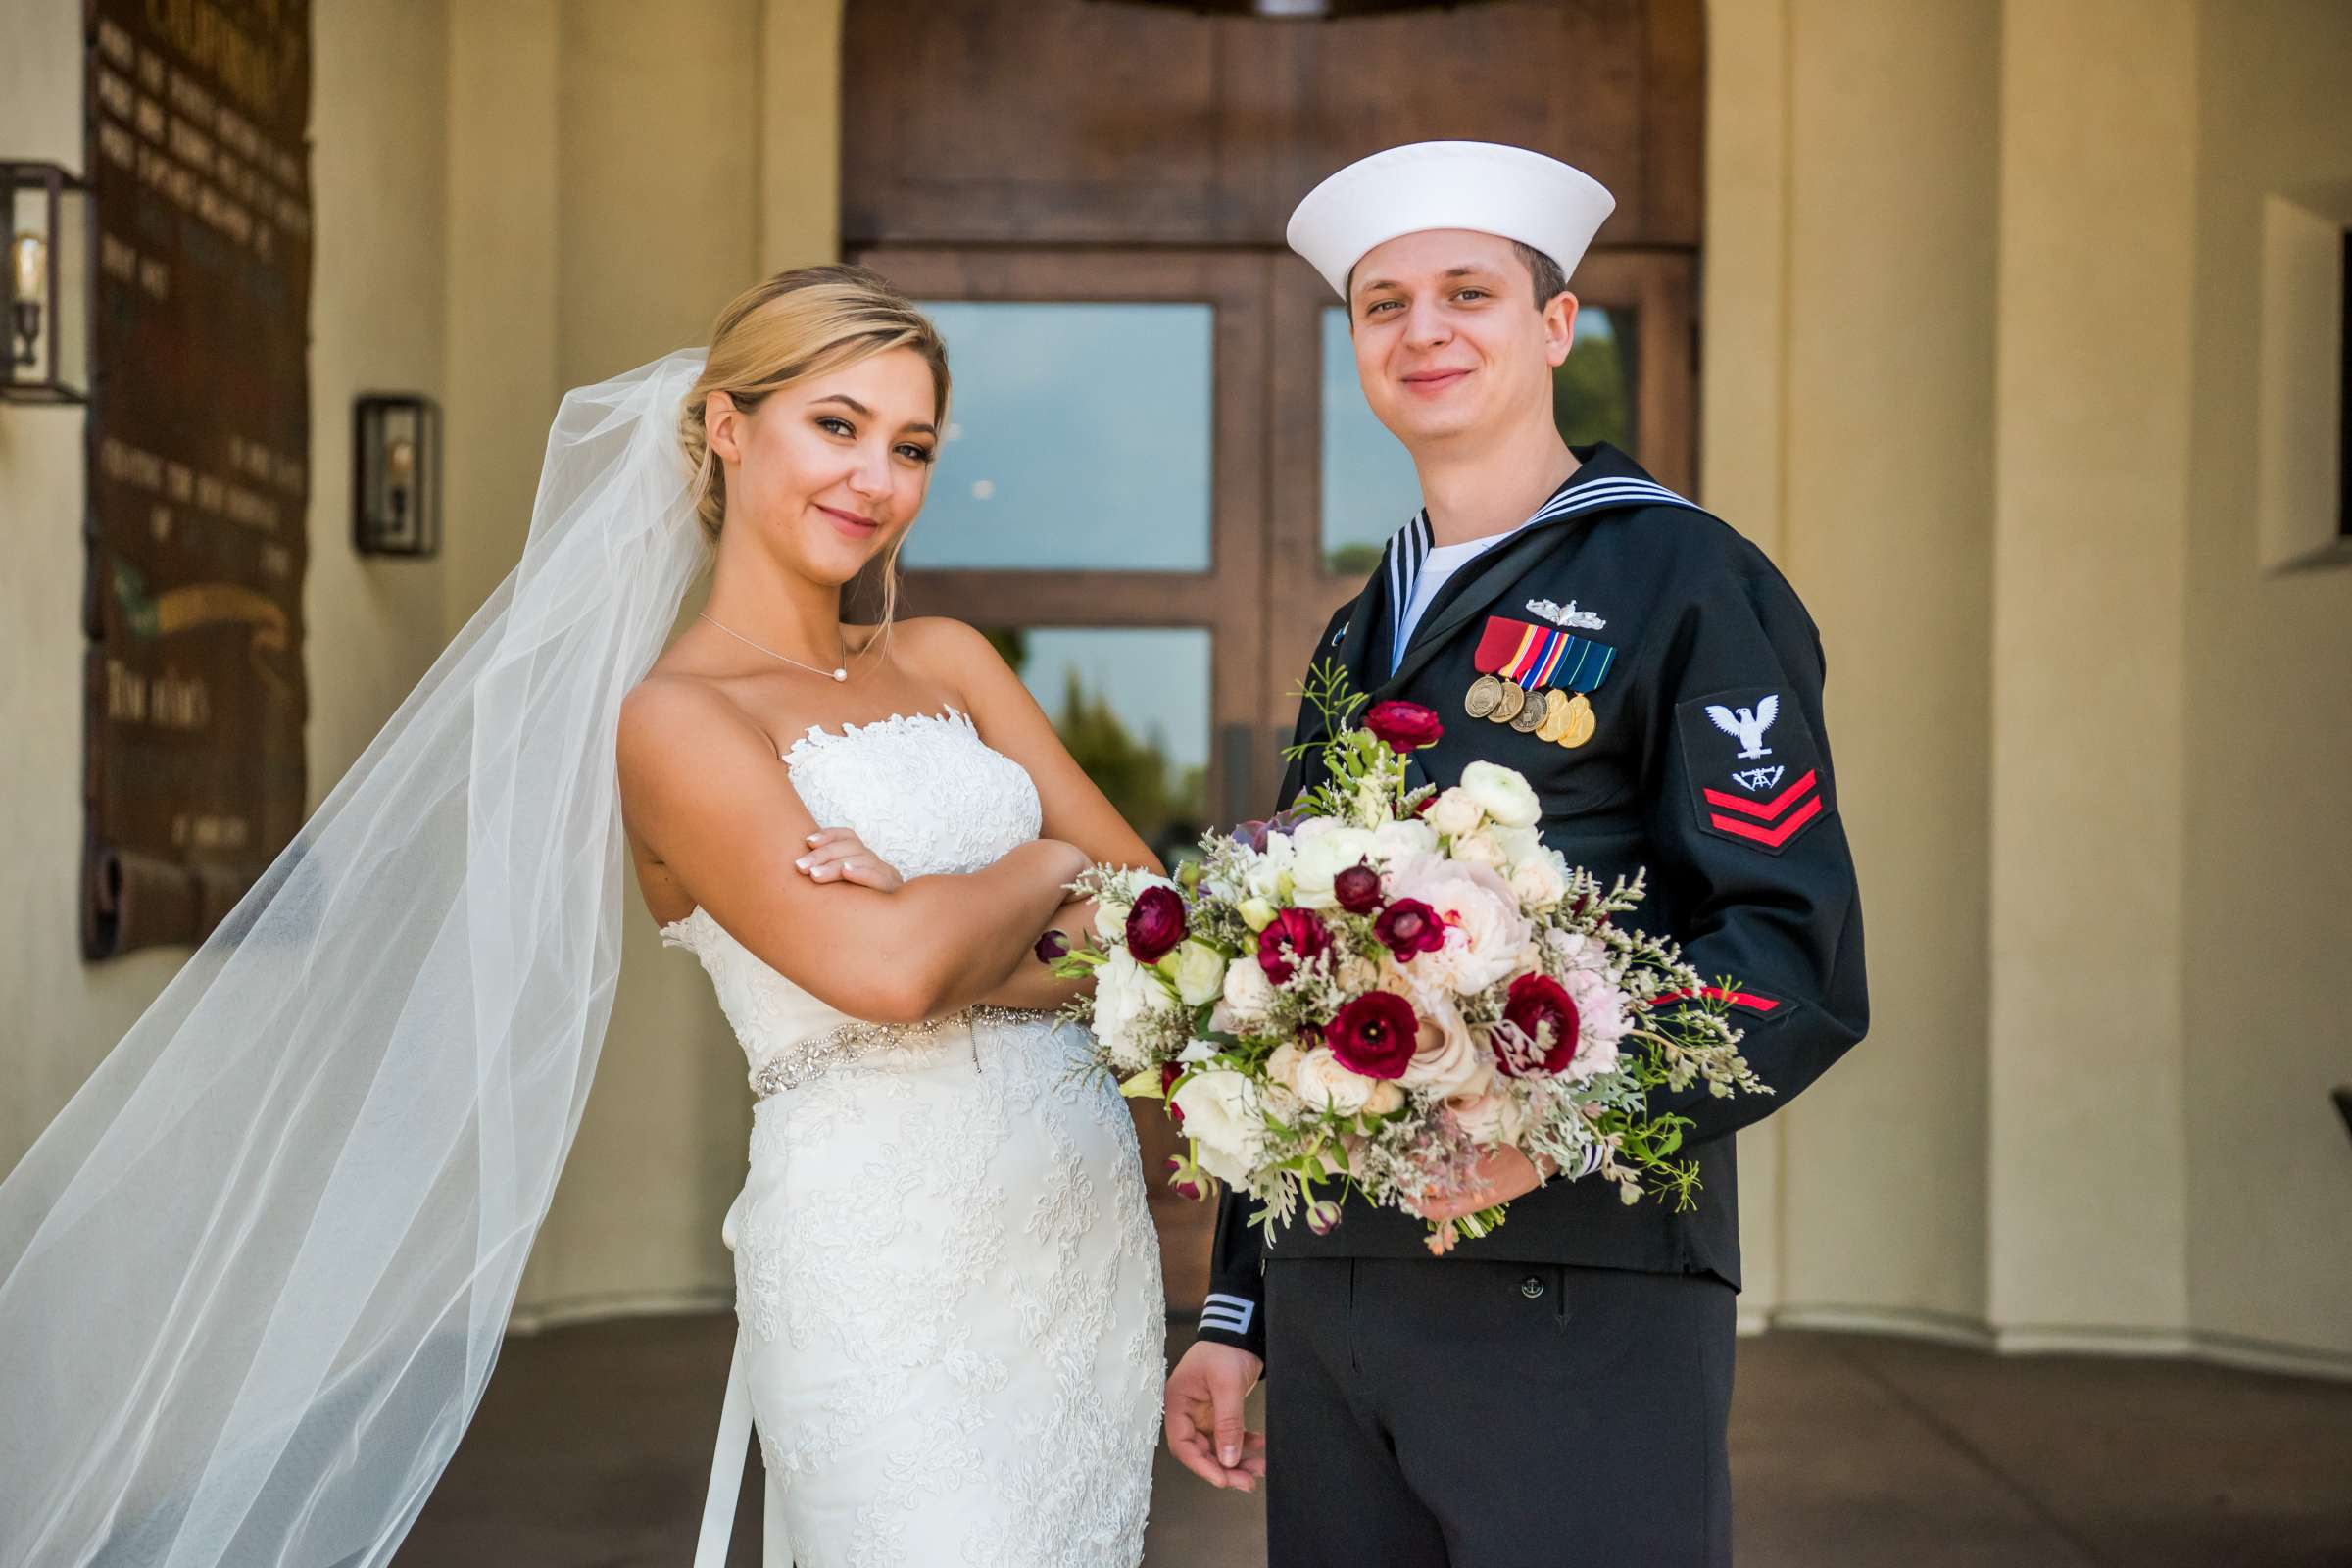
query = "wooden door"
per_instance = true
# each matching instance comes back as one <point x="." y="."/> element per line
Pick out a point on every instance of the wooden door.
<point x="1096" y="193"/>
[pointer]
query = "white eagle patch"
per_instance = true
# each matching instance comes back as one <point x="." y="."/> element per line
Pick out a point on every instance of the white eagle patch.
<point x="1747" y="727"/>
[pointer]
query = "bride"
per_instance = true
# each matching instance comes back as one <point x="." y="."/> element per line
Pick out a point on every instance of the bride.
<point x="946" y="1278"/>
<point x="254" y="1276"/>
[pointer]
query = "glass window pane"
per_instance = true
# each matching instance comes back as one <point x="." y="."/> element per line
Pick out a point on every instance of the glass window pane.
<point x="1131" y="703"/>
<point x="1078" y="436"/>
<point x="1369" y="488"/>
<point x="1592" y="389"/>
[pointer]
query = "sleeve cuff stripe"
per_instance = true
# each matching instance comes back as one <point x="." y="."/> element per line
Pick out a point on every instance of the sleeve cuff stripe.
<point x="1227" y="1313"/>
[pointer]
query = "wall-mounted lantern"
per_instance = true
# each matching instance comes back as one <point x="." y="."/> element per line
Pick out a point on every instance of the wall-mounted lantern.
<point x="396" y="474"/>
<point x="47" y="231"/>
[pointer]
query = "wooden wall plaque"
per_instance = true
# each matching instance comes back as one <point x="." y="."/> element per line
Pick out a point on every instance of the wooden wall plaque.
<point x="199" y="459"/>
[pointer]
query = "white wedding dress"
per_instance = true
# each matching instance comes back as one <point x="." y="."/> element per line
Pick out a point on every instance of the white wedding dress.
<point x="947" y="1282"/>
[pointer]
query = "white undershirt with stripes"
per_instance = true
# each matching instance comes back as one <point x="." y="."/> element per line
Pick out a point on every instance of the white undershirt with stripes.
<point x="1407" y="557"/>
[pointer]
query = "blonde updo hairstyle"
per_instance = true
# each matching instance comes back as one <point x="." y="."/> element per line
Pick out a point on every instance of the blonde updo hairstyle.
<point x="811" y="320"/>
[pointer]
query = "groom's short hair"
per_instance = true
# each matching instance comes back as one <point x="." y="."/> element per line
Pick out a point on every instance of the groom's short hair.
<point x="1550" y="282"/>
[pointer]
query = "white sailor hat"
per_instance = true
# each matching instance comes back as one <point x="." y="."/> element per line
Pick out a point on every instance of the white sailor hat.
<point x="1481" y="186"/>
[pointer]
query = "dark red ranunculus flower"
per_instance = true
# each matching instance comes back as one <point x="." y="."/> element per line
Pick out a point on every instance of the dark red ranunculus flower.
<point x="1405" y="726"/>
<point x="1410" y="926"/>
<point x="1052" y="945"/>
<point x="1538" y="1000"/>
<point x="1155" y="924"/>
<point x="1184" y="1189"/>
<point x="1357" y="890"/>
<point x="1374" y="1035"/>
<point x="1294" y="937"/>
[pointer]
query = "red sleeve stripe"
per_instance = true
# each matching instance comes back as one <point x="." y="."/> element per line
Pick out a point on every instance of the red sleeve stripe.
<point x="1738" y="999"/>
<point x="1772" y="838"/>
<point x="1767" y="809"/>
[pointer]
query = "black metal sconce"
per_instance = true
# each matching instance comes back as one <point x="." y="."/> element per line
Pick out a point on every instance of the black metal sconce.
<point x="47" y="231"/>
<point x="396" y="474"/>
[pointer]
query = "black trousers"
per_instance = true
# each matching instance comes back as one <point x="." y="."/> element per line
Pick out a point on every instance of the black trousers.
<point x="1455" y="1414"/>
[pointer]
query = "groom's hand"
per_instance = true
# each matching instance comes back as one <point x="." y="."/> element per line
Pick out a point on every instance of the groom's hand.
<point x="1202" y="1416"/>
<point x="1496" y="1178"/>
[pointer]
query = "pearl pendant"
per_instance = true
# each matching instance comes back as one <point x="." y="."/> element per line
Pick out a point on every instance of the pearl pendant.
<point x="841" y="674"/>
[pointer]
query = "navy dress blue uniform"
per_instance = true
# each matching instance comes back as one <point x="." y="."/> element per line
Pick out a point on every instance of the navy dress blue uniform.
<point x="1558" y="1390"/>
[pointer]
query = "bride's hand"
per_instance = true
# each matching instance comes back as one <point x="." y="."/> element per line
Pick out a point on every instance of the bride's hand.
<point x="837" y="855"/>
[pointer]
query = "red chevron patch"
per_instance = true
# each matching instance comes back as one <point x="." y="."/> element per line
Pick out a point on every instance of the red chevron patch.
<point x="1767" y="810"/>
<point x="1773" y="748"/>
<point x="1770" y="837"/>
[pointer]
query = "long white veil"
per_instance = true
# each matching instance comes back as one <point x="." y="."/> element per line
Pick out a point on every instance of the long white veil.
<point x="254" y="1277"/>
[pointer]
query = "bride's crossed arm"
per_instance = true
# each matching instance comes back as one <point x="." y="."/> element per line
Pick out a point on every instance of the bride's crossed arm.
<point x="1071" y="808"/>
<point x="703" y="790"/>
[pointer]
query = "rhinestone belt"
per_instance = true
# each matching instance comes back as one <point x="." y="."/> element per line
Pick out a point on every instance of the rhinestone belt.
<point x="804" y="1059"/>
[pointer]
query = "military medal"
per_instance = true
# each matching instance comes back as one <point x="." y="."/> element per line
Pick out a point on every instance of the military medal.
<point x="1483" y="696"/>
<point x="1576" y="721"/>
<point x="1555" y="709"/>
<point x="1541" y="677"/>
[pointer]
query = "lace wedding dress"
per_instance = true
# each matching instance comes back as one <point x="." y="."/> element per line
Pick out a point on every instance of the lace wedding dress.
<point x="947" y="1282"/>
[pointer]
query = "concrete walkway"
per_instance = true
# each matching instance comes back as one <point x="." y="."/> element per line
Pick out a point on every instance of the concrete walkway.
<point x="592" y="1446"/>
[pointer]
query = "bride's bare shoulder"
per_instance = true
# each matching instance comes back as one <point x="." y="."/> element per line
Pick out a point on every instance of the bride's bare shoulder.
<point x="673" y="716"/>
<point x="946" y="651"/>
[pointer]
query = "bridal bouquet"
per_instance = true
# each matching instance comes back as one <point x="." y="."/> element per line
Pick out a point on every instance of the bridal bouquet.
<point x="1388" y="983"/>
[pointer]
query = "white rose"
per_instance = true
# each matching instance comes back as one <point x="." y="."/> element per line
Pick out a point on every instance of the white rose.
<point x="1455" y="814"/>
<point x="1492" y="1117"/>
<point x="1448" y="1058"/>
<point x="1539" y="882"/>
<point x="1247" y="991"/>
<point x="1322" y="859"/>
<point x="1479" y="849"/>
<point x="1282" y="1066"/>
<point x="1519" y="844"/>
<point x="1126" y="996"/>
<point x="1386" y="1100"/>
<point x="1324" y="1084"/>
<point x="1401" y="841"/>
<point x="1502" y="793"/>
<point x="1199" y="971"/>
<point x="1222" y="1119"/>
<point x="1357" y="974"/>
<point x="1268" y="866"/>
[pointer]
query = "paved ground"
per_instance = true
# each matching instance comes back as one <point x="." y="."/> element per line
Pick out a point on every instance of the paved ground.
<point x="592" y="1446"/>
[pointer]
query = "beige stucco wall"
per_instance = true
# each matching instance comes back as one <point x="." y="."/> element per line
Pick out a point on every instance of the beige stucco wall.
<point x="2097" y="225"/>
<point x="1846" y="398"/>
<point x="378" y="112"/>
<point x="2264" y="734"/>
<point x="665" y="157"/>
<point x="1981" y="288"/>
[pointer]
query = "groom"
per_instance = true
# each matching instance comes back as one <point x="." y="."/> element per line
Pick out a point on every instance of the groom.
<point x="1558" y="1390"/>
